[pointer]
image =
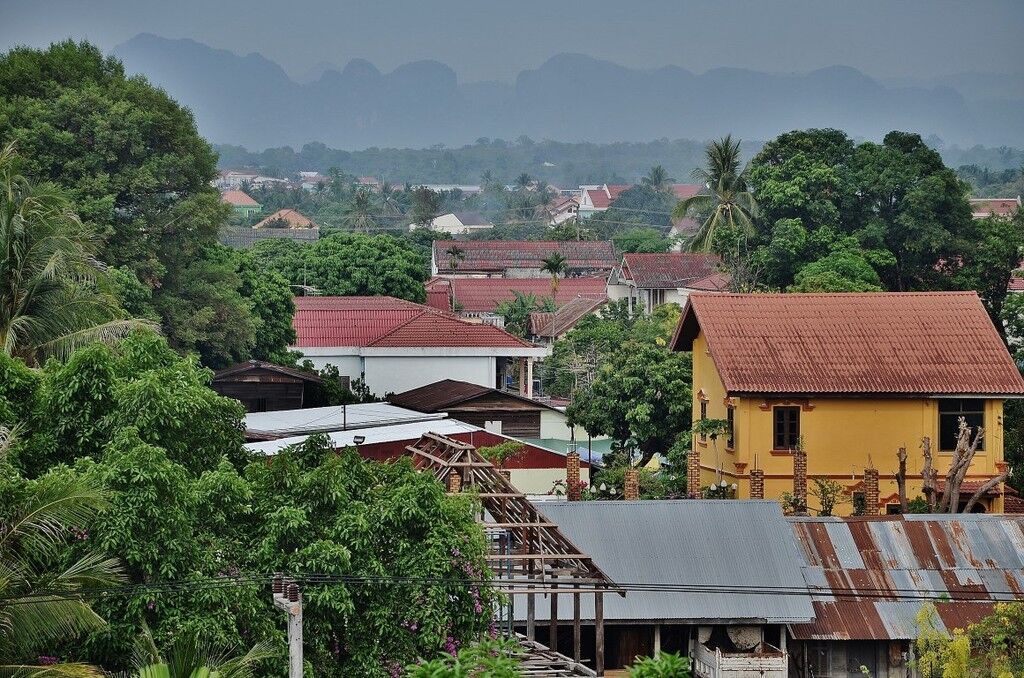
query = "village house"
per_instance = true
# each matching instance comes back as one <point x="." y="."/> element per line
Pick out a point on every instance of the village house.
<point x="459" y="223"/>
<point x="287" y="218"/>
<point x="596" y="198"/>
<point x="263" y="386"/>
<point x="560" y="209"/>
<point x="519" y="258"/>
<point x="829" y="385"/>
<point x="480" y="297"/>
<point x="648" y="280"/>
<point x="240" y="201"/>
<point x="994" y="207"/>
<point x="394" y="345"/>
<point x="233" y="179"/>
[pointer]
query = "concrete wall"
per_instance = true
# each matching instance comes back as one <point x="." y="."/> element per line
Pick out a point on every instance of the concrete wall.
<point x="554" y="425"/>
<point x="386" y="374"/>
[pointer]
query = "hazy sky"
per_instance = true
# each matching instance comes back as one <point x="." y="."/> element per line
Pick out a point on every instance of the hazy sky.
<point x="486" y="39"/>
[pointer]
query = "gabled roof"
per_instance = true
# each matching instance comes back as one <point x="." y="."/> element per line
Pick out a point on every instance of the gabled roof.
<point x="294" y="218"/>
<point x="482" y="295"/>
<point x="472" y="219"/>
<point x="238" y="199"/>
<point x="732" y="547"/>
<point x="1000" y="207"/>
<point x="386" y="322"/>
<point x="669" y="270"/>
<point x="236" y="371"/>
<point x="500" y="255"/>
<point x="907" y="343"/>
<point x="684" y="191"/>
<point x="870" y="575"/>
<point x="555" y="324"/>
<point x="448" y="393"/>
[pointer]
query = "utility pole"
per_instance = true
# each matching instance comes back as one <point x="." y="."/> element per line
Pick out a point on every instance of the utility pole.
<point x="288" y="598"/>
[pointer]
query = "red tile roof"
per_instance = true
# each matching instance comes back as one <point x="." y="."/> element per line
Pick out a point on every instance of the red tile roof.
<point x="388" y="322"/>
<point x="238" y="199"/>
<point x="294" y="218"/>
<point x="880" y="342"/>
<point x="482" y="295"/>
<point x="1000" y="207"/>
<point x="547" y="324"/>
<point x="598" y="198"/>
<point x="500" y="255"/>
<point x="667" y="270"/>
<point x="684" y="191"/>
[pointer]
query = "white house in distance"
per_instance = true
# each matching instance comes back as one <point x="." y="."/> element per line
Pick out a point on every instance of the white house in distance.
<point x="659" y="278"/>
<point x="459" y="223"/>
<point x="395" y="345"/>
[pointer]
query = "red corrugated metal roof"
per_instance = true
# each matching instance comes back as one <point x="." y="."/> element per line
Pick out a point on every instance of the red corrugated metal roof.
<point x="482" y="295"/>
<point x="890" y="343"/>
<point x="500" y="255"/>
<point x="669" y="270"/>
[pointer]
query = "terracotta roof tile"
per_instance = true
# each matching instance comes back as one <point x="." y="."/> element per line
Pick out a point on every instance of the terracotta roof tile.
<point x="238" y="199"/>
<point x="890" y="343"/>
<point x="548" y="324"/>
<point x="684" y="191"/>
<point x="432" y="329"/>
<point x="665" y="270"/>
<point x="294" y="218"/>
<point x="1000" y="207"/>
<point x="482" y="295"/>
<point x="500" y="255"/>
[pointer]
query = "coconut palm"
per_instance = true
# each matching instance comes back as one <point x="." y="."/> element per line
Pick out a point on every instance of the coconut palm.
<point x="658" y="179"/>
<point x="554" y="264"/>
<point x="40" y="604"/>
<point x="191" y="658"/>
<point x="728" y="202"/>
<point x="455" y="255"/>
<point x="388" y="199"/>
<point x="358" y="214"/>
<point x="50" y="282"/>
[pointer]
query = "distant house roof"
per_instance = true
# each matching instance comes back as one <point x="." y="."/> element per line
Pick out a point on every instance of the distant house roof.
<point x="238" y="199"/>
<point x="243" y="237"/>
<point x="1000" y="207"/>
<point x="500" y="255"/>
<point x="683" y="542"/>
<point x="386" y="322"/>
<point x="472" y="219"/>
<point x="286" y="423"/>
<point x="482" y="295"/>
<point x="239" y="371"/>
<point x="555" y="324"/>
<point x="442" y="395"/>
<point x="869" y="576"/>
<point x="294" y="218"/>
<point x="671" y="270"/>
<point x="684" y="191"/>
<point x="909" y="343"/>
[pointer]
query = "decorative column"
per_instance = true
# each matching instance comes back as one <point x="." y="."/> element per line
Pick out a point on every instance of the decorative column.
<point x="800" y="480"/>
<point x="572" y="476"/>
<point x="693" y="472"/>
<point x="631" y="490"/>
<point x="757" y="484"/>
<point x="871" y="491"/>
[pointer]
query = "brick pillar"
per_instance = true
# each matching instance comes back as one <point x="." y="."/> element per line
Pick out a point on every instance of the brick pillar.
<point x="800" y="479"/>
<point x="454" y="482"/>
<point x="506" y="474"/>
<point x="693" y="472"/>
<point x="871" y="491"/>
<point x="631" y="491"/>
<point x="572" y="476"/>
<point x="757" y="484"/>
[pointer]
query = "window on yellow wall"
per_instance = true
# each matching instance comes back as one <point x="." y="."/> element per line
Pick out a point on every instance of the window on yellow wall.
<point x="950" y="411"/>
<point x="703" y="416"/>
<point x="730" y="417"/>
<point x="787" y="427"/>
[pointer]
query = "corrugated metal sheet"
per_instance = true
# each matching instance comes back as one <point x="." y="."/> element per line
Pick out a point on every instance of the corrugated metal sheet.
<point x="712" y="543"/>
<point x="664" y="270"/>
<point x="482" y="295"/>
<point x="499" y="255"/>
<point x="870" y="576"/>
<point x="913" y="343"/>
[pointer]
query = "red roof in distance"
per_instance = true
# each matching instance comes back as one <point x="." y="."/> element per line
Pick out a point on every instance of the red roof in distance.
<point x="501" y="255"/>
<point x="482" y="295"/>
<point x="238" y="199"/>
<point x="665" y="270"/>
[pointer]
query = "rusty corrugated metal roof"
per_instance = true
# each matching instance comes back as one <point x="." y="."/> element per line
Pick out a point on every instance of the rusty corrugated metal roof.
<point x="869" y="577"/>
<point x="499" y="255"/>
<point x="896" y="344"/>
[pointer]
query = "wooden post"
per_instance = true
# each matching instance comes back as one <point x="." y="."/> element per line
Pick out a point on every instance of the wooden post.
<point x="553" y="621"/>
<point x="657" y="639"/>
<point x="531" y="614"/>
<point x="576" y="641"/>
<point x="599" y="633"/>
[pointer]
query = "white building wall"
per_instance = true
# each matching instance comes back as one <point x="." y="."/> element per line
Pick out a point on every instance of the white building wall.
<point x="555" y="425"/>
<point x="395" y="374"/>
<point x="541" y="480"/>
<point x="350" y="366"/>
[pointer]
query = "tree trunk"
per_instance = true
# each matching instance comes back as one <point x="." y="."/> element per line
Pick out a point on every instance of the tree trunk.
<point x="928" y="474"/>
<point x="985" y="487"/>
<point x="901" y="479"/>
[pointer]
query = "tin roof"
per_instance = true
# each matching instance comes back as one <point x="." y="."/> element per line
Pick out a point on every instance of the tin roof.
<point x="442" y="395"/>
<point x="920" y="343"/>
<point x="669" y="270"/>
<point x="870" y="576"/>
<point x="482" y="295"/>
<point x="685" y="542"/>
<point x="499" y="255"/>
<point x="238" y="370"/>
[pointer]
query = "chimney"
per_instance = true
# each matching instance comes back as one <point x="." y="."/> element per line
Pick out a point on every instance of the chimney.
<point x="631" y="492"/>
<point x="572" y="476"/>
<point x="454" y="482"/>
<point x="800" y="480"/>
<point x="693" y="472"/>
<point x="757" y="484"/>
<point x="871" y="491"/>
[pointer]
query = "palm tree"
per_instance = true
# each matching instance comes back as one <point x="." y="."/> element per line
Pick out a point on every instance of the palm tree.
<point x="554" y="264"/>
<point x="658" y="179"/>
<point x="455" y="255"/>
<point x="190" y="658"/>
<point x="388" y="199"/>
<point x="50" y="296"/>
<point x="728" y="203"/>
<point x="41" y="604"/>
<point x="523" y="181"/>
<point x="358" y="214"/>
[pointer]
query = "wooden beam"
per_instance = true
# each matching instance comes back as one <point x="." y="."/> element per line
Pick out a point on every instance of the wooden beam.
<point x="576" y="642"/>
<point x="553" y="621"/>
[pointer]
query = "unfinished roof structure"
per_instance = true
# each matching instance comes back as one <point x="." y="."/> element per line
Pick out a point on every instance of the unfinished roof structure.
<point x="869" y="577"/>
<point x="553" y="324"/>
<point x="889" y="343"/>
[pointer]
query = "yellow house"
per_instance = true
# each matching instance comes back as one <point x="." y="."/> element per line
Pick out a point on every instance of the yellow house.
<point x="848" y="379"/>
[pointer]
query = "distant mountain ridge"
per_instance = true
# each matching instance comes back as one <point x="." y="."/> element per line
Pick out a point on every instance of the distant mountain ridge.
<point x="251" y="101"/>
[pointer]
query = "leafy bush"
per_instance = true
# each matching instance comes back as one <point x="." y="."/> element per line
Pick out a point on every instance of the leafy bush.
<point x="665" y="665"/>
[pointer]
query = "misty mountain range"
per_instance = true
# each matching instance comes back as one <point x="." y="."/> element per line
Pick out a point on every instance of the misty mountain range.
<point x="251" y="101"/>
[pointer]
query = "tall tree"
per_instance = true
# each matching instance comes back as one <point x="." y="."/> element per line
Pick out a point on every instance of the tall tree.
<point x="426" y="206"/>
<point x="658" y="179"/>
<point x="728" y="203"/>
<point x="555" y="264"/>
<point x="359" y="213"/>
<point x="51" y="296"/>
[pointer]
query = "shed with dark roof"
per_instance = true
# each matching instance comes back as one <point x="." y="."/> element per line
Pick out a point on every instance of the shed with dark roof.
<point x="263" y="387"/>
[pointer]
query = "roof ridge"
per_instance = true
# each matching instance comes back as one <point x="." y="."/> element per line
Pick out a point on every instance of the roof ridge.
<point x="396" y="328"/>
